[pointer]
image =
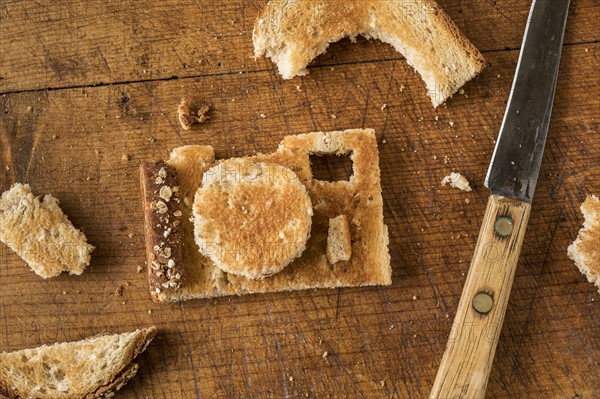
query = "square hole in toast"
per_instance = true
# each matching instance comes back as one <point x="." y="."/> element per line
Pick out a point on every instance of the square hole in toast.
<point x="331" y="167"/>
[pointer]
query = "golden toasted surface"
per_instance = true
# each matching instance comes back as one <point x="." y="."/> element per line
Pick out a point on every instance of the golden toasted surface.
<point x="359" y="198"/>
<point x="585" y="250"/>
<point x="292" y="34"/>
<point x="251" y="218"/>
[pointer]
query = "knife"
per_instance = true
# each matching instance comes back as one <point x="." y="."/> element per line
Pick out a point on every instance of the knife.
<point x="511" y="178"/>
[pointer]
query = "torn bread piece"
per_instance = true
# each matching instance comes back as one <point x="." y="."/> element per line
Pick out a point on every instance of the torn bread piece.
<point x="339" y="245"/>
<point x="359" y="198"/>
<point x="92" y="368"/>
<point x="585" y="250"/>
<point x="292" y="34"/>
<point x="251" y="218"/>
<point x="41" y="234"/>
<point x="457" y="180"/>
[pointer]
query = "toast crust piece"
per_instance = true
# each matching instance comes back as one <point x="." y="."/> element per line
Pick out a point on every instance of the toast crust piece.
<point x="339" y="244"/>
<point x="41" y="234"/>
<point x="359" y="199"/>
<point x="292" y="34"/>
<point x="585" y="250"/>
<point x="251" y="218"/>
<point x="90" y="368"/>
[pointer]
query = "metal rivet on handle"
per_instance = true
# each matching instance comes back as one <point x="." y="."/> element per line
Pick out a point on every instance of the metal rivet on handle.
<point x="504" y="226"/>
<point x="483" y="302"/>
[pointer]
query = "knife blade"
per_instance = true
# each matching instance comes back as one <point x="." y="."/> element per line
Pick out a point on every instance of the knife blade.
<point x="512" y="177"/>
<point x="515" y="165"/>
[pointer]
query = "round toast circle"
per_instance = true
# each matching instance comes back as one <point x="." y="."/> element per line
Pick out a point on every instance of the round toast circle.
<point x="251" y="218"/>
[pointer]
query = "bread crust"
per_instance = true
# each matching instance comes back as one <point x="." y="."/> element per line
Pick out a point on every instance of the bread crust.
<point x="136" y="344"/>
<point x="292" y="34"/>
<point x="358" y="198"/>
<point x="163" y="218"/>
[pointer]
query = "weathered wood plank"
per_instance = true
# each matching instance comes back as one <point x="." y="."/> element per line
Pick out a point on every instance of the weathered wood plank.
<point x="381" y="343"/>
<point x="64" y="43"/>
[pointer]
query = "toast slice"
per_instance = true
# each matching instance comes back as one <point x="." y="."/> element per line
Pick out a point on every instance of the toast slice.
<point x="92" y="368"/>
<point x="358" y="198"/>
<point x="585" y="250"/>
<point x="41" y="234"/>
<point x="292" y="34"/>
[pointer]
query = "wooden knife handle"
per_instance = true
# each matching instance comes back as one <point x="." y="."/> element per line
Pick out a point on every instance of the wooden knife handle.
<point x="469" y="354"/>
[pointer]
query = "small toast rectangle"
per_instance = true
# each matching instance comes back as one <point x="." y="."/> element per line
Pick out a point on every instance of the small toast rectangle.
<point x="358" y="198"/>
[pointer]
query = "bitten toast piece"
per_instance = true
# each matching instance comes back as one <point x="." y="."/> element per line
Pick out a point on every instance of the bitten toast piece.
<point x="41" y="234"/>
<point x="359" y="198"/>
<point x="585" y="250"/>
<point x="339" y="246"/>
<point x="293" y="33"/>
<point x="91" y="368"/>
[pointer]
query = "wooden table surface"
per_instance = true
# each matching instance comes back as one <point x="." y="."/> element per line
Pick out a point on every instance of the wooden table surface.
<point x="84" y="83"/>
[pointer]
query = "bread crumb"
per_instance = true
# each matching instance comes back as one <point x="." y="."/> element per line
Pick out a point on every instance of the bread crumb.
<point x="333" y="116"/>
<point x="467" y="201"/>
<point x="291" y="379"/>
<point x="382" y="383"/>
<point x="456" y="180"/>
<point x="401" y="88"/>
<point x="263" y="116"/>
<point x="125" y="157"/>
<point x="325" y="354"/>
<point x="119" y="290"/>
<point x="383" y="141"/>
<point x="130" y="235"/>
<point x="186" y="118"/>
<point x="54" y="137"/>
<point x="139" y="269"/>
<point x="298" y="88"/>
<point x="435" y="157"/>
<point x="414" y="297"/>
<point x="384" y="106"/>
<point x="437" y="118"/>
<point x="451" y="123"/>
<point x="149" y="311"/>
<point x="64" y="292"/>
<point x="446" y="159"/>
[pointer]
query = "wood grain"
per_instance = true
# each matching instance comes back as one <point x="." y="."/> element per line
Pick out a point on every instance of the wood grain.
<point x="54" y="44"/>
<point x="469" y="355"/>
<point x="380" y="342"/>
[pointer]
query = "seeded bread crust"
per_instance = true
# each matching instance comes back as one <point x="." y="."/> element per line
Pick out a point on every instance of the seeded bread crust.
<point x="65" y="371"/>
<point x="163" y="218"/>
<point x="292" y="34"/>
<point x="359" y="199"/>
<point x="41" y="234"/>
